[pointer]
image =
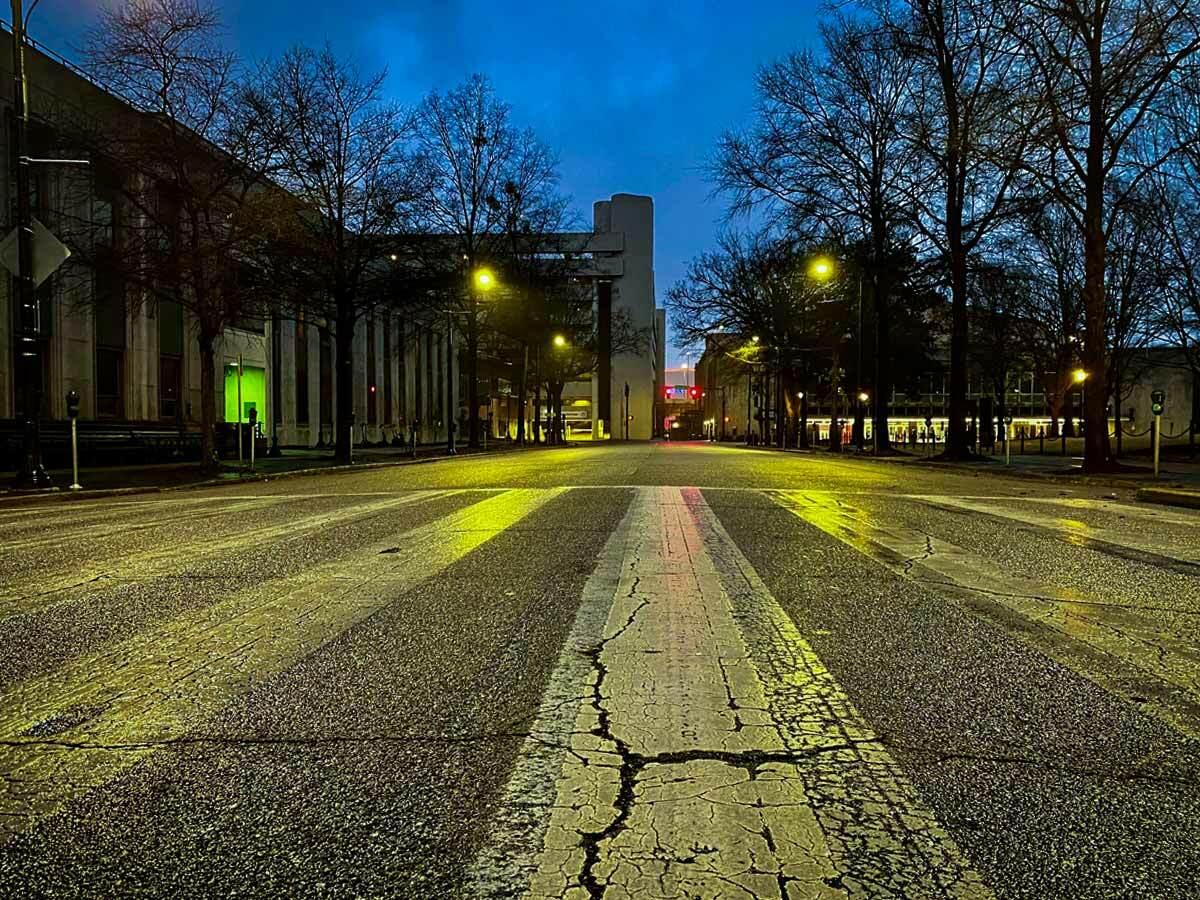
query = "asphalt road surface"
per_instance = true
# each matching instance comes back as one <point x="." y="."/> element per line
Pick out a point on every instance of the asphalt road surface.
<point x="629" y="671"/>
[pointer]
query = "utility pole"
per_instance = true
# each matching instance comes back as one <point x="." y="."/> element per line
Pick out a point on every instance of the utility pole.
<point x="450" y="451"/>
<point x="29" y="345"/>
<point x="861" y="415"/>
<point x="627" y="410"/>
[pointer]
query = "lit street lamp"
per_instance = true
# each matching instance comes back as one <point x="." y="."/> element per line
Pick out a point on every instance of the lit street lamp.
<point x="482" y="281"/>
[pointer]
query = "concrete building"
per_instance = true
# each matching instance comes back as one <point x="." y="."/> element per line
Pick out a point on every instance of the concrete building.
<point x="136" y="362"/>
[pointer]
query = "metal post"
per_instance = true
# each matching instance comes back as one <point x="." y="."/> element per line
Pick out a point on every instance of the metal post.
<point x="239" y="409"/>
<point x="253" y="421"/>
<point x="1157" y="440"/>
<point x="29" y="349"/>
<point x="858" y="404"/>
<point x="75" y="485"/>
<point x="450" y="449"/>
<point x="1007" y="447"/>
<point x="627" y="410"/>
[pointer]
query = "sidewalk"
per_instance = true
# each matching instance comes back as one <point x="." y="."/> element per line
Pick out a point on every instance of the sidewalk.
<point x="101" y="480"/>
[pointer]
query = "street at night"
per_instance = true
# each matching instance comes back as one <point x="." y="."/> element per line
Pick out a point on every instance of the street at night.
<point x="650" y="670"/>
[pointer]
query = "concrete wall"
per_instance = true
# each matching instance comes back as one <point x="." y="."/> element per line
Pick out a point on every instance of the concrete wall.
<point x="633" y="291"/>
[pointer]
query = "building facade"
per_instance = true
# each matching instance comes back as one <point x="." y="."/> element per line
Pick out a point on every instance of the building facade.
<point x="136" y="362"/>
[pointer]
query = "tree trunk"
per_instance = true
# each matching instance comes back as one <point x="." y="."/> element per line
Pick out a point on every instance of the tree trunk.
<point x="521" y="392"/>
<point x="956" y="431"/>
<point x="883" y="368"/>
<point x="343" y="408"/>
<point x="208" y="404"/>
<point x="1097" y="454"/>
<point x="780" y="413"/>
<point x="1117" y="429"/>
<point x="473" y="376"/>
<point x="802" y="427"/>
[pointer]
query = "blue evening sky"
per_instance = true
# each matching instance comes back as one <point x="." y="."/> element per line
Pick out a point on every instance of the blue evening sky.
<point x="632" y="95"/>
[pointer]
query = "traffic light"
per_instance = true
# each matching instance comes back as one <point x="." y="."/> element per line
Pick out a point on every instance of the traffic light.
<point x="1156" y="402"/>
<point x="73" y="404"/>
<point x="666" y="393"/>
<point x="694" y="393"/>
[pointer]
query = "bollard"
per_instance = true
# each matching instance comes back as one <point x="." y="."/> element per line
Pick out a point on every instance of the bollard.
<point x="253" y="420"/>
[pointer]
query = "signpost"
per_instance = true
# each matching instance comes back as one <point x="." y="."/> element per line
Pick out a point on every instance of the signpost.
<point x="73" y="415"/>
<point x="1156" y="407"/>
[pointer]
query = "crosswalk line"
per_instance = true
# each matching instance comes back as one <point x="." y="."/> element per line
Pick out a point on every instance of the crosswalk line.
<point x="1120" y="647"/>
<point x="82" y="725"/>
<point x="96" y="528"/>
<point x="1077" y="532"/>
<point x="694" y="745"/>
<point x="37" y="591"/>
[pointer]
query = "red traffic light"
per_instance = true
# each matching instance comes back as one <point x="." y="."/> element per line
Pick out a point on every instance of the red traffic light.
<point x="694" y="393"/>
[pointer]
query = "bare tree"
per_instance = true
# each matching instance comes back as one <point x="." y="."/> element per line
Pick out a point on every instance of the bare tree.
<point x="829" y="152"/>
<point x="344" y="159"/>
<point x="485" y="174"/>
<point x="756" y="290"/>
<point x="970" y="146"/>
<point x="1100" y="69"/>
<point x="1050" y="308"/>
<point x="181" y="170"/>
<point x="1134" y="285"/>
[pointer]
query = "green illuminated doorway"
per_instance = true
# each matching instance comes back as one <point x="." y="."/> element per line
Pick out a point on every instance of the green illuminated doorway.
<point x="254" y="392"/>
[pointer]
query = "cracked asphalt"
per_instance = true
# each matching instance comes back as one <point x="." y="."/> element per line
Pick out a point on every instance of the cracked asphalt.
<point x="658" y="671"/>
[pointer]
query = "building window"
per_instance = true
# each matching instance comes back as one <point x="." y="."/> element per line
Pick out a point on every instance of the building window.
<point x="372" y="406"/>
<point x="301" y="355"/>
<point x="418" y="381"/>
<point x="110" y="345"/>
<point x="387" y="368"/>
<point x="170" y="360"/>
<point x="326" y="378"/>
<point x="170" y="384"/>
<point x="109" y="364"/>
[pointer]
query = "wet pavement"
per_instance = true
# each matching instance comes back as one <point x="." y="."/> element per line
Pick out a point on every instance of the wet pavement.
<point x="628" y="671"/>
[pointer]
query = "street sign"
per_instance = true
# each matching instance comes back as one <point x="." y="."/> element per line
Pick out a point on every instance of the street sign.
<point x="48" y="253"/>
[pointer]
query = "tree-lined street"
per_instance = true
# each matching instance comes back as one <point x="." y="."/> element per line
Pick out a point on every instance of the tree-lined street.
<point x="643" y="670"/>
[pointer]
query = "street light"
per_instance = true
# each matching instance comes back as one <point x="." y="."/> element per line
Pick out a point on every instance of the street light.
<point x="754" y="339"/>
<point x="484" y="279"/>
<point x="1080" y="376"/>
<point x="822" y="268"/>
<point x="560" y="341"/>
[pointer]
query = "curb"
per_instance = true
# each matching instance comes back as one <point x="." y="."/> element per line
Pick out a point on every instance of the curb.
<point x="14" y="498"/>
<point x="1169" y="497"/>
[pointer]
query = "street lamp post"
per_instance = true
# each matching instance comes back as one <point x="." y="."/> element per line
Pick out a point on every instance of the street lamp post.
<point x="31" y="475"/>
<point x="451" y="450"/>
<point x="482" y="281"/>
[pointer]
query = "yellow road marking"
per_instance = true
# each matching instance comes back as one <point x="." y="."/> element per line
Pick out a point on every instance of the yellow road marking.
<point x="36" y="591"/>
<point x="159" y="684"/>
<point x="1119" y="647"/>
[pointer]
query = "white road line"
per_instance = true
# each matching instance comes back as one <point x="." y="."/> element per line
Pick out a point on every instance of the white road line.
<point x="1122" y="647"/>
<point x="701" y="762"/>
<point x="1073" y="529"/>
